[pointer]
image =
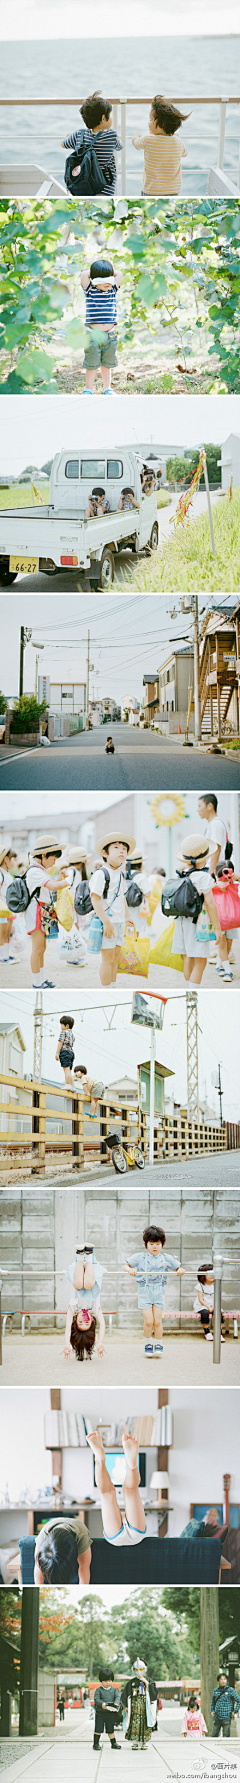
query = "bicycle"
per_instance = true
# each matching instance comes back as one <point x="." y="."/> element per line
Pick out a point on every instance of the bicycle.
<point x="126" y="1156"/>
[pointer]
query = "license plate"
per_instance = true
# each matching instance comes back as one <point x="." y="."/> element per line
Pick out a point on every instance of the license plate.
<point x="24" y="565"/>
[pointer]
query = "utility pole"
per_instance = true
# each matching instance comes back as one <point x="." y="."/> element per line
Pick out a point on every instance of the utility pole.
<point x="38" y="1034"/>
<point x="87" y="686"/>
<point x="25" y="635"/>
<point x="192" y="1056"/>
<point x="209" y="1648"/>
<point x="152" y="1095"/>
<point x="28" y="1723"/>
<point x="220" y="1094"/>
<point x="197" y="704"/>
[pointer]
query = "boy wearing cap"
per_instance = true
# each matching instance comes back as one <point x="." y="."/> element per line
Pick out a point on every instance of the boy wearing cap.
<point x="39" y="883"/>
<point x="111" y="910"/>
<point x="193" y="939"/>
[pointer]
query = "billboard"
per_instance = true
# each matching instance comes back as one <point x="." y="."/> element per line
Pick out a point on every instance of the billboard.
<point x="148" y="1012"/>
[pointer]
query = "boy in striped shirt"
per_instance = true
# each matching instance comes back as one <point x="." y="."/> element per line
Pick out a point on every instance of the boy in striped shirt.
<point x="101" y="284"/>
<point x="163" y="149"/>
<point x="97" y="117"/>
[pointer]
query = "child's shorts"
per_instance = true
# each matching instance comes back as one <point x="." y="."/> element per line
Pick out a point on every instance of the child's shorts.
<point x="66" y="1057"/>
<point x="100" y="350"/>
<point x="118" y="937"/>
<point x="126" y="1537"/>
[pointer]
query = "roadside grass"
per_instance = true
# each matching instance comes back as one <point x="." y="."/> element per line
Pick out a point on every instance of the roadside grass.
<point x="185" y="561"/>
<point x="21" y="496"/>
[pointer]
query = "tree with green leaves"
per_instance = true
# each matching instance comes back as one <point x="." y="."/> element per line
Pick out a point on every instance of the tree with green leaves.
<point x="179" y="302"/>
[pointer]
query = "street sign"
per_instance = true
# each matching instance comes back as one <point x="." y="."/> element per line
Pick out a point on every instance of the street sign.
<point x="148" y="1012"/>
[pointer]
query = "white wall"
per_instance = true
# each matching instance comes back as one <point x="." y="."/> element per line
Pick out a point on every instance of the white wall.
<point x="206" y="1445"/>
<point x="24" y="1460"/>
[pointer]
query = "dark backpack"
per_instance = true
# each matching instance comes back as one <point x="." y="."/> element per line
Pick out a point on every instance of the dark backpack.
<point x="181" y="898"/>
<point x="18" y="896"/>
<point x="133" y="895"/>
<point x="92" y="178"/>
<point x="82" y="900"/>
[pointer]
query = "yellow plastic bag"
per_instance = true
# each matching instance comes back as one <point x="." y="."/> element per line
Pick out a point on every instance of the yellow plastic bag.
<point x="154" y="897"/>
<point x="161" y="954"/>
<point x="134" y="956"/>
<point x="64" y="907"/>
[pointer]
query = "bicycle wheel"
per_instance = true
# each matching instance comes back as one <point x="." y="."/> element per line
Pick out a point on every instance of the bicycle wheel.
<point x="139" y="1157"/>
<point x="119" y="1161"/>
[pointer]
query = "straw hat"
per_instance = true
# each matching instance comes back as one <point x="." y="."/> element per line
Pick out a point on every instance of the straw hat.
<point x="46" y="845"/>
<point x="136" y="856"/>
<point x="115" y="836"/>
<point x="194" y="848"/>
<point x="4" y="851"/>
<point x="75" y="855"/>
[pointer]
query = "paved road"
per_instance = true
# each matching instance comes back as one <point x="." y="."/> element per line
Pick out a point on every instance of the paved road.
<point x="39" y="1357"/>
<point x="57" y="1753"/>
<point x="142" y="761"/>
<point x="219" y="1171"/>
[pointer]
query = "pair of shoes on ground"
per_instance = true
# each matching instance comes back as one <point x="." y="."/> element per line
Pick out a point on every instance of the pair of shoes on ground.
<point x="153" y="1349"/>
<point x="209" y="1337"/>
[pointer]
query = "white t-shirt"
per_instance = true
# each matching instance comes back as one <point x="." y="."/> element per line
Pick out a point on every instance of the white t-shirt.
<point x="216" y="832"/>
<point x="36" y="877"/>
<point x="202" y="879"/>
<point x="206" y="1289"/>
<point x="116" y="879"/>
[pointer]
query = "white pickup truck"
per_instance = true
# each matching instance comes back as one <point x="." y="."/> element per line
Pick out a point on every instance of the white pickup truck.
<point x="57" y="535"/>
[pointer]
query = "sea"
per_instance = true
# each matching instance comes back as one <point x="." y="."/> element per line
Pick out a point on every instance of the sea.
<point x="128" y="68"/>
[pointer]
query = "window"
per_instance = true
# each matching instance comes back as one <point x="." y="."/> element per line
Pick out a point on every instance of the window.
<point x="72" y="468"/>
<point x="92" y="468"/>
<point x="114" y="468"/>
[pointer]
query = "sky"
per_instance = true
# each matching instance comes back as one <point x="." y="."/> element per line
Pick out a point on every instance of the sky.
<point x="49" y="18"/>
<point x="114" y="1052"/>
<point x="117" y="672"/>
<point x="35" y="427"/>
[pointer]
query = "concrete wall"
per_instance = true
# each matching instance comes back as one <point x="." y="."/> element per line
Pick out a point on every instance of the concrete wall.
<point x="40" y="1229"/>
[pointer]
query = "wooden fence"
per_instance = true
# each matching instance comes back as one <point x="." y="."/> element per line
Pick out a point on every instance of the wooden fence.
<point x="82" y="1135"/>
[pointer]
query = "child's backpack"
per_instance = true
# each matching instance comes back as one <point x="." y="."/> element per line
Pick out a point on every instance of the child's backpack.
<point x="18" y="896"/>
<point x="181" y="898"/>
<point x="92" y="178"/>
<point x="82" y="900"/>
<point x="133" y="895"/>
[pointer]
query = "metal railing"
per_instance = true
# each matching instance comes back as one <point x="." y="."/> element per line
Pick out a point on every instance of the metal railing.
<point x="120" y="107"/>
<point x="219" y="1264"/>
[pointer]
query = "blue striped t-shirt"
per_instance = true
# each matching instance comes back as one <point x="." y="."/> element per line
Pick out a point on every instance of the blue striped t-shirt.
<point x="105" y="142"/>
<point x="101" y="305"/>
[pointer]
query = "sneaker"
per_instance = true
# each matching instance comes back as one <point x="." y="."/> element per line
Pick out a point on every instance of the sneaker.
<point x="208" y="1336"/>
<point x="223" y="1339"/>
<point x="87" y="392"/>
<point x="227" y="974"/>
<point x="148" y="1349"/>
<point x="158" y="1348"/>
<point x="108" y="391"/>
<point x="47" y="985"/>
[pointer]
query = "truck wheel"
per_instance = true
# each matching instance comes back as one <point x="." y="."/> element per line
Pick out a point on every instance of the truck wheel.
<point x="106" y="573"/>
<point x="153" y="541"/>
<point x="6" y="575"/>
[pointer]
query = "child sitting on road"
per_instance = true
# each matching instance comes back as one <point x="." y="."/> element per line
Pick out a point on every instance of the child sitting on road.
<point x="101" y="284"/>
<point x="151" y="1270"/>
<point x="97" y="116"/>
<point x="204" y="1300"/>
<point x="109" y="746"/>
<point x="85" y="1275"/>
<point x="162" y="153"/>
<point x="65" y="1049"/>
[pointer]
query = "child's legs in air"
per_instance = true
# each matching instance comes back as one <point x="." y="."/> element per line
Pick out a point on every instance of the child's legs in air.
<point x="133" y="1503"/>
<point x="38" y="949"/>
<point x="88" y="1274"/>
<point x="148" y="1321"/>
<point x="111" y="1515"/>
<point x="78" y="1273"/>
<point x="157" y="1321"/>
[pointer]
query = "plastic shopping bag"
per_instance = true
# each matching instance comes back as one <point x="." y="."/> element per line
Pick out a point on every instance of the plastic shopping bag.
<point x="72" y="947"/>
<point x="134" y="956"/>
<point x="64" y="907"/>
<point x="154" y="897"/>
<point x="226" y="898"/>
<point x="161" y="954"/>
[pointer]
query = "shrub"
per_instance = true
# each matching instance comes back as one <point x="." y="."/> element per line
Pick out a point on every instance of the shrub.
<point x="27" y="714"/>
